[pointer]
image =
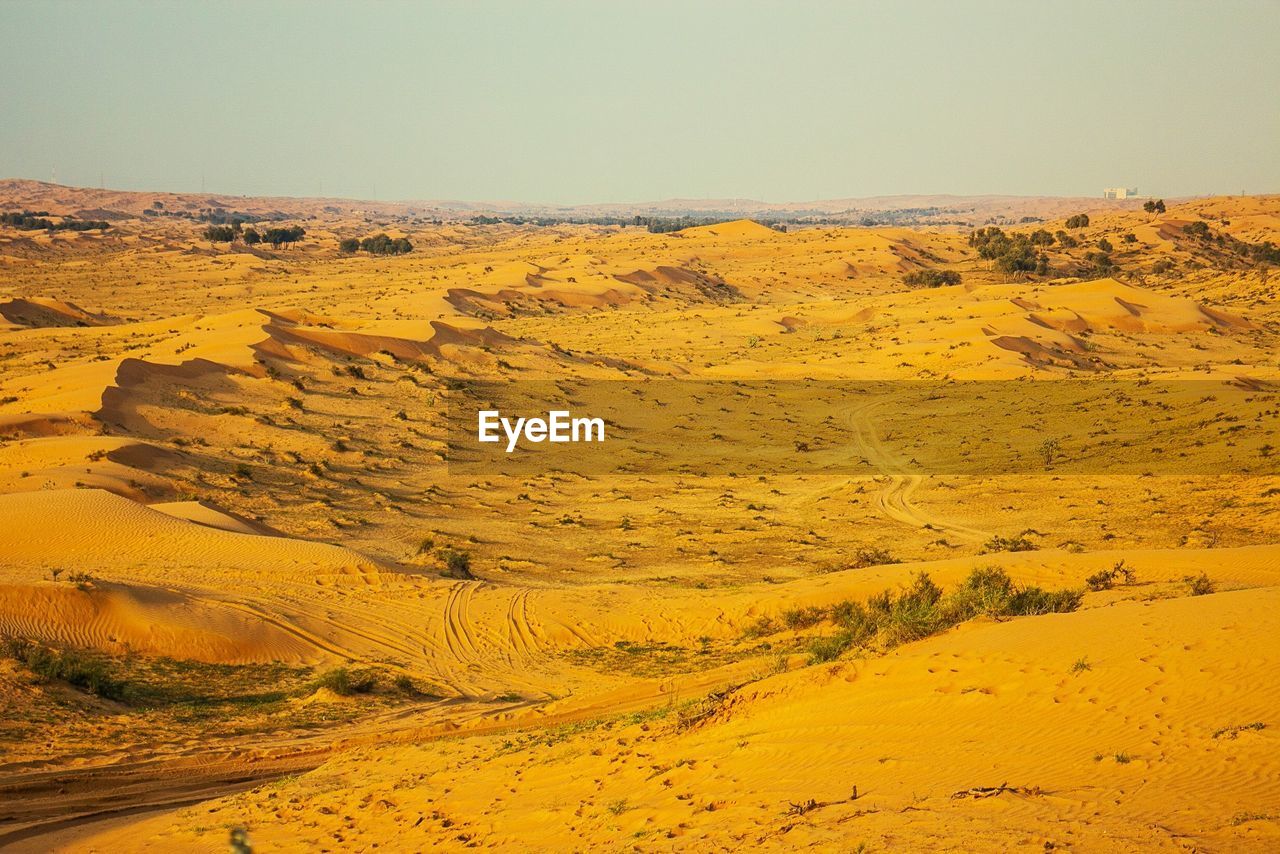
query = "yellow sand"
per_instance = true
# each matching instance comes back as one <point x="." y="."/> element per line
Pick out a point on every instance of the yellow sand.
<point x="236" y="458"/>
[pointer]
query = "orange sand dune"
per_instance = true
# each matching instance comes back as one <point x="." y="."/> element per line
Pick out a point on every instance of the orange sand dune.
<point x="94" y="531"/>
<point x="990" y="737"/>
<point x="49" y="312"/>
<point x="204" y="513"/>
<point x="122" y="619"/>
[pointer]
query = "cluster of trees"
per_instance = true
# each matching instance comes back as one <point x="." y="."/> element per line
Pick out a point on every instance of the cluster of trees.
<point x="931" y="278"/>
<point x="215" y="216"/>
<point x="222" y="217"/>
<point x="1265" y="252"/>
<point x="277" y="237"/>
<point x="1097" y="263"/>
<point x="157" y="209"/>
<point x="660" y="225"/>
<point x="1012" y="253"/>
<point x="228" y="233"/>
<point x="37" y="220"/>
<point x="1078" y="221"/>
<point x="221" y="233"/>
<point x="379" y="244"/>
<point x="1156" y="207"/>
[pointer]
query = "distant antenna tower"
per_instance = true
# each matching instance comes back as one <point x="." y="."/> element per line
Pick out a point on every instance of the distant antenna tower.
<point x="201" y="180"/>
<point x="54" y="179"/>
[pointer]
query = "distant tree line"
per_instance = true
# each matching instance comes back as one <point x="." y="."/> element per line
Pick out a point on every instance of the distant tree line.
<point x="659" y="225"/>
<point x="897" y="216"/>
<point x="221" y="217"/>
<point x="277" y="237"/>
<point x="664" y="225"/>
<point x="221" y="233"/>
<point x="655" y="224"/>
<point x="378" y="244"/>
<point x="217" y="216"/>
<point x="37" y="220"/>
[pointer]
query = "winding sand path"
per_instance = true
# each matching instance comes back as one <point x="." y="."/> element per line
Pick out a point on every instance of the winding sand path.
<point x="894" y="499"/>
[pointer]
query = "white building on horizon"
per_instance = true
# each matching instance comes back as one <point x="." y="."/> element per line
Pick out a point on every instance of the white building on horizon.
<point x="1119" y="192"/>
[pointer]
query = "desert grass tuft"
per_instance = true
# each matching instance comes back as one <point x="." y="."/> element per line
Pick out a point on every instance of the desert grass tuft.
<point x="891" y="618"/>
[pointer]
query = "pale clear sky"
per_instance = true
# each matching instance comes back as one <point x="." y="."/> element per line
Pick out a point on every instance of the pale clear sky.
<point x="587" y="102"/>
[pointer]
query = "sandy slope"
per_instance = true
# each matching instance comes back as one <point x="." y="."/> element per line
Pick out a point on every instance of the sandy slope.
<point x="1135" y="752"/>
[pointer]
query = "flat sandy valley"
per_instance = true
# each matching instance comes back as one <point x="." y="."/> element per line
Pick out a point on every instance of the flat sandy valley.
<point x="242" y="590"/>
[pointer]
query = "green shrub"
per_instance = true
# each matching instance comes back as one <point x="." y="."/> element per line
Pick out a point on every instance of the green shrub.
<point x="802" y="618"/>
<point x="1032" y="601"/>
<point x="865" y="556"/>
<point x="891" y="618"/>
<point x="70" y="666"/>
<point x="1105" y="579"/>
<point x="456" y="564"/>
<point x="987" y="591"/>
<point x="931" y="278"/>
<point x="1199" y="585"/>
<point x="829" y="648"/>
<point x="346" y="683"/>
<point x="1102" y="580"/>
<point x="1008" y="544"/>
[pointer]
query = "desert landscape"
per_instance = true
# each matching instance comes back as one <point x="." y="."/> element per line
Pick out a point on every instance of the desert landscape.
<point x="250" y="595"/>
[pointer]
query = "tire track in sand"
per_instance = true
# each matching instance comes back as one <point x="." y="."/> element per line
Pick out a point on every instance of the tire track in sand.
<point x="894" y="500"/>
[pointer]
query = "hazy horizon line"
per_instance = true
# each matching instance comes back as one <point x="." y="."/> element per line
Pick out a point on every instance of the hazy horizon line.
<point x="604" y="203"/>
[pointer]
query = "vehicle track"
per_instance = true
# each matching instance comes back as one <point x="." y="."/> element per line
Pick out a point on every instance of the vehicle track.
<point x="894" y="499"/>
